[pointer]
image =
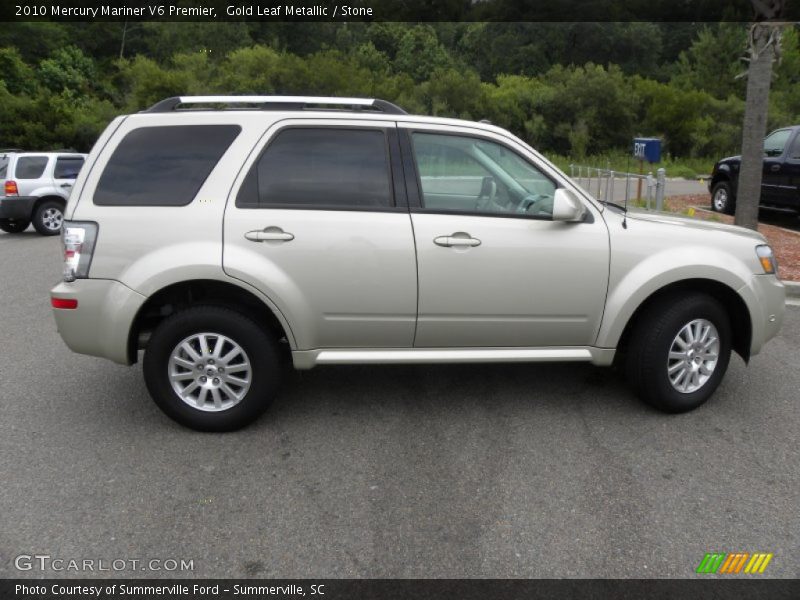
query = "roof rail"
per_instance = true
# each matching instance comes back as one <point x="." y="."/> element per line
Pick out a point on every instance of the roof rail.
<point x="281" y="103"/>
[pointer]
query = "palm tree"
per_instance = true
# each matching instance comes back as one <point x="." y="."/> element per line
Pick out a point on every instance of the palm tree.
<point x="763" y="49"/>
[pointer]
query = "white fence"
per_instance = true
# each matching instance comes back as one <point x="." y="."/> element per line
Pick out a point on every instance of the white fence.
<point x="607" y="185"/>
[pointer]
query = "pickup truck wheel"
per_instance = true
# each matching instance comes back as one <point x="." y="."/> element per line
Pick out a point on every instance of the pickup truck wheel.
<point x="211" y="368"/>
<point x="722" y="198"/>
<point x="679" y="351"/>
<point x="48" y="217"/>
<point x="13" y="225"/>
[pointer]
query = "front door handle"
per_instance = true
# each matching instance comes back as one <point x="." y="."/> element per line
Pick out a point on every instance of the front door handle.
<point x="775" y="168"/>
<point x="456" y="239"/>
<point x="269" y="234"/>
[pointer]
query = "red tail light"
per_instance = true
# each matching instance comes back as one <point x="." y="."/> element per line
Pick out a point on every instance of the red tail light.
<point x="11" y="188"/>
<point x="64" y="302"/>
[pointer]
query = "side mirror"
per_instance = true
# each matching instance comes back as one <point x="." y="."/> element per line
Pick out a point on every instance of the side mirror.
<point x="567" y="206"/>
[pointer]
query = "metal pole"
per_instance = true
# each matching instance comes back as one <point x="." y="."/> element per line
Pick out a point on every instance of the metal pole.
<point x="598" y="183"/>
<point x="661" y="182"/>
<point x="611" y="181"/>
<point x="627" y="188"/>
<point x="639" y="185"/>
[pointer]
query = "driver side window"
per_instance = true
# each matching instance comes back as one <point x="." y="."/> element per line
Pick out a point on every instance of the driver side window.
<point x="776" y="142"/>
<point x="474" y="175"/>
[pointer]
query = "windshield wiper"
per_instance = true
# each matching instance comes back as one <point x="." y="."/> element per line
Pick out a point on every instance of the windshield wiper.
<point x="615" y="205"/>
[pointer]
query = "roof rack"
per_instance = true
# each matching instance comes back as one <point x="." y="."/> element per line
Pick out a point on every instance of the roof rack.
<point x="282" y="103"/>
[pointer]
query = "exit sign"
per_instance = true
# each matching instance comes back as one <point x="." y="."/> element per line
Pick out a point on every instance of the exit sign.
<point x="648" y="149"/>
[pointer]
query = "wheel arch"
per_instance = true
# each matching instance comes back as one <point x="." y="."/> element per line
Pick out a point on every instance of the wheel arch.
<point x="48" y="198"/>
<point x="734" y="304"/>
<point x="724" y="175"/>
<point x="183" y="294"/>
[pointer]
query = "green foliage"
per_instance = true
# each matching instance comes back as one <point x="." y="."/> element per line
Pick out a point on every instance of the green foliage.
<point x="15" y="73"/>
<point x="571" y="89"/>
<point x="68" y="69"/>
<point x="713" y="62"/>
<point x="419" y="53"/>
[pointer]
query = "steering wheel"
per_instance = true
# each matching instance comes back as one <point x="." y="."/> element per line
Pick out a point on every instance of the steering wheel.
<point x="536" y="204"/>
<point x="487" y="195"/>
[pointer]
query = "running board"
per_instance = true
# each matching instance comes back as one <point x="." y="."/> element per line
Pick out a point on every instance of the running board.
<point x="306" y="359"/>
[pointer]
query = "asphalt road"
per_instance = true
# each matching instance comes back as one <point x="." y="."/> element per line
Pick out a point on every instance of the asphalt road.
<point x="447" y="471"/>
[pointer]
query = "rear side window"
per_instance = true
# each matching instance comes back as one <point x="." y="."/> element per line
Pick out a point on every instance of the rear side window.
<point x="321" y="167"/>
<point x="163" y="166"/>
<point x="67" y="167"/>
<point x="3" y="166"/>
<point x="30" y="167"/>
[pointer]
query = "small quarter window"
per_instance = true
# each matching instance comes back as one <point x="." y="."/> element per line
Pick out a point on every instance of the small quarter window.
<point x="163" y="166"/>
<point x="320" y="167"/>
<point x="30" y="167"/>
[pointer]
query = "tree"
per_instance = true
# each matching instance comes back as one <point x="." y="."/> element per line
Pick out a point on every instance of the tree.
<point x="763" y="47"/>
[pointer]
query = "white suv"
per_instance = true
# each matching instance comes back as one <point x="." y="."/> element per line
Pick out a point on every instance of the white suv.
<point x="34" y="187"/>
<point x="343" y="230"/>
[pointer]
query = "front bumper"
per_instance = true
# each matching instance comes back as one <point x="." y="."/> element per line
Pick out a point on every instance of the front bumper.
<point x="17" y="207"/>
<point x="101" y="323"/>
<point x="765" y="296"/>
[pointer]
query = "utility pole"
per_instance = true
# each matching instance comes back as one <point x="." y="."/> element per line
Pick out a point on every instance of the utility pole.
<point x="763" y="49"/>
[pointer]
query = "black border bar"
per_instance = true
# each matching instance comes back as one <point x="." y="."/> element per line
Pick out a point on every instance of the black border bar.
<point x="390" y="10"/>
<point x="402" y="589"/>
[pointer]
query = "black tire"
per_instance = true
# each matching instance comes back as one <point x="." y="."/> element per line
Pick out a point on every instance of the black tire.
<point x="651" y="341"/>
<point x="13" y="225"/>
<point x="258" y="344"/>
<point x="47" y="215"/>
<point x="723" y="199"/>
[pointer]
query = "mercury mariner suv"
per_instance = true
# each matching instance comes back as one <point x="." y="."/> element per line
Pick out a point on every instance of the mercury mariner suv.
<point x="220" y="235"/>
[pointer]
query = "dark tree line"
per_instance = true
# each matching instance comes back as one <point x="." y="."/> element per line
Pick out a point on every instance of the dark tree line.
<point x="572" y="89"/>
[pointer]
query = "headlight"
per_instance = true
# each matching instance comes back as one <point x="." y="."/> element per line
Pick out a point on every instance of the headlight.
<point x="767" y="259"/>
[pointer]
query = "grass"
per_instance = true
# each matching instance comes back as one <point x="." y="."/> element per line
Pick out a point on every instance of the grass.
<point x="690" y="168"/>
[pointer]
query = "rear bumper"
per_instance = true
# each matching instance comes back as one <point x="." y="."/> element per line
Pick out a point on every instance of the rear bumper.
<point x="101" y="323"/>
<point x="17" y="207"/>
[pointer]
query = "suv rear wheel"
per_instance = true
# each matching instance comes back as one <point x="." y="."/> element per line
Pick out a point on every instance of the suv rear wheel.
<point x="13" y="225"/>
<point x="679" y="351"/>
<point x="211" y="368"/>
<point x="722" y="198"/>
<point x="48" y="217"/>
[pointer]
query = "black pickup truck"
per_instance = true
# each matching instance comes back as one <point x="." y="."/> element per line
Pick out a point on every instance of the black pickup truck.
<point x="780" y="182"/>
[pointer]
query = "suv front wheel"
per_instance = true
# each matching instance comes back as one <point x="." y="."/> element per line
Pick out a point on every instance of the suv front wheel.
<point x="211" y="368"/>
<point x="679" y="351"/>
<point x="722" y="198"/>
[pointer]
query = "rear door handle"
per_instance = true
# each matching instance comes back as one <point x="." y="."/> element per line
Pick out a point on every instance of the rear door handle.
<point x="457" y="239"/>
<point x="775" y="168"/>
<point x="269" y="234"/>
<point x="66" y="185"/>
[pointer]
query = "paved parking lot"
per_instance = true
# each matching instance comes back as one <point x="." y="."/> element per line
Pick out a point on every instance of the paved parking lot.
<point x="455" y="471"/>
